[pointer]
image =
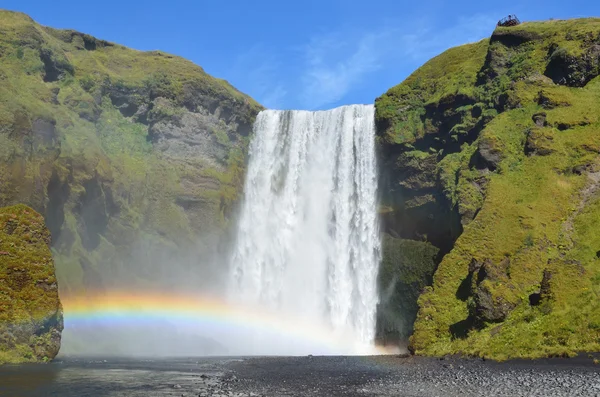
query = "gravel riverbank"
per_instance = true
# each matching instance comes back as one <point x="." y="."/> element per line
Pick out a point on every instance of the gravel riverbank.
<point x="302" y="376"/>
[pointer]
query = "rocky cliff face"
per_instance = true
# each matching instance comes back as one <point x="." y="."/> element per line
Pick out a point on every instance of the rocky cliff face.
<point x="132" y="157"/>
<point x="490" y="154"/>
<point x="31" y="318"/>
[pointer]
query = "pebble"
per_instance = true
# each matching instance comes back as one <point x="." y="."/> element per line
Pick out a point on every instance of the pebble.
<point x="325" y="376"/>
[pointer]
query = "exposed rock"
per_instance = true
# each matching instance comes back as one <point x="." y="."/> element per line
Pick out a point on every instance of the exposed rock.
<point x="56" y="66"/>
<point x="137" y="157"/>
<point x="471" y="197"/>
<point x="539" y="142"/>
<point x="546" y="100"/>
<point x="188" y="136"/>
<point x="31" y="319"/>
<point x="125" y="98"/>
<point x="488" y="154"/>
<point x="418" y="207"/>
<point x="545" y="292"/>
<point x="490" y="307"/>
<point x="81" y="41"/>
<point x="574" y="71"/>
<point x="94" y="207"/>
<point x="492" y="303"/>
<point x="539" y="119"/>
<point x="511" y="37"/>
<point x="563" y="126"/>
<point x="406" y="268"/>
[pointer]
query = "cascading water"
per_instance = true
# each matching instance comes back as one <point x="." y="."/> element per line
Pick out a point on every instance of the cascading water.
<point x="308" y="240"/>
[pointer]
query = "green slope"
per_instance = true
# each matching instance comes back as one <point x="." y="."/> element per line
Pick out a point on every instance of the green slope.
<point x="491" y="153"/>
<point x="127" y="154"/>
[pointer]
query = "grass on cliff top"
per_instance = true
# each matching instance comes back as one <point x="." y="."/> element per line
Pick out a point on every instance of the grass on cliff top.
<point x="452" y="73"/>
<point x="134" y="67"/>
<point x="455" y="73"/>
<point x="21" y="38"/>
<point x="570" y="34"/>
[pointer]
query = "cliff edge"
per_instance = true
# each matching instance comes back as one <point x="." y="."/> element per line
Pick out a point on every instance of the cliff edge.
<point x="135" y="159"/>
<point x="490" y="153"/>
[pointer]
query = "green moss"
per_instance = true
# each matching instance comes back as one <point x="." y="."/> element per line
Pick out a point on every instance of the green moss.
<point x="520" y="187"/>
<point x="222" y="137"/>
<point x="402" y="108"/>
<point x="96" y="171"/>
<point x="28" y="290"/>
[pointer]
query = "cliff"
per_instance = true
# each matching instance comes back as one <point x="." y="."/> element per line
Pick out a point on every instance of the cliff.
<point x="132" y="157"/>
<point x="31" y="318"/>
<point x="490" y="154"/>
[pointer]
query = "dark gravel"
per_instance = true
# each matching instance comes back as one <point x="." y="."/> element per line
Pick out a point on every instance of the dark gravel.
<point x="302" y="376"/>
<point x="415" y="376"/>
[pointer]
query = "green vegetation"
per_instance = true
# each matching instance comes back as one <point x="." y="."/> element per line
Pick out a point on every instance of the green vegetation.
<point x="30" y="311"/>
<point x="512" y="128"/>
<point x="119" y="149"/>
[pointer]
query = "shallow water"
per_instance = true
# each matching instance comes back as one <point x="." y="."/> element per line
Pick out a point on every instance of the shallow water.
<point x="301" y="376"/>
<point x="112" y="377"/>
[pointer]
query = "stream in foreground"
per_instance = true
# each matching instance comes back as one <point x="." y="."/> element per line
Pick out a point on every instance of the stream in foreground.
<point x="301" y="376"/>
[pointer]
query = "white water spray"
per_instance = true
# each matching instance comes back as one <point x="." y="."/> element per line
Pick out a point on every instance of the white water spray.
<point x="308" y="240"/>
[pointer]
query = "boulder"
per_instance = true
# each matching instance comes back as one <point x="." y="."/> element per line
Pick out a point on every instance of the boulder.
<point x="539" y="142"/>
<point x="491" y="291"/>
<point x="539" y="119"/>
<point x="31" y="317"/>
<point x="488" y="155"/>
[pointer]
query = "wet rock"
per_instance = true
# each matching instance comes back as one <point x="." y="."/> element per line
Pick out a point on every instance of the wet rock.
<point x="406" y="268"/>
<point x="94" y="208"/>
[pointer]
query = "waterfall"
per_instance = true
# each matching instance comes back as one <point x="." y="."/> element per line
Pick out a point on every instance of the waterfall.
<point x="308" y="239"/>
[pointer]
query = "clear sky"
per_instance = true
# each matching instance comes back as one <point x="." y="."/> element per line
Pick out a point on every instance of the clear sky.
<point x="310" y="54"/>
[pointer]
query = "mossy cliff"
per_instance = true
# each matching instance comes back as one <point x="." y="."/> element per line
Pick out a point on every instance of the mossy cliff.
<point x="30" y="312"/>
<point x="490" y="153"/>
<point x="132" y="157"/>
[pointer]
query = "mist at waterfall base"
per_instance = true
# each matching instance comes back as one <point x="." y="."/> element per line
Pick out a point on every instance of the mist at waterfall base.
<point x="301" y="277"/>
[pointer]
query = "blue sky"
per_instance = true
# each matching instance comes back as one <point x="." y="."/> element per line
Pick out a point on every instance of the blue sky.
<point x="311" y="54"/>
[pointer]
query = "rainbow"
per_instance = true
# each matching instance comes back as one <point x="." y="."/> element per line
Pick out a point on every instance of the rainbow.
<point x="124" y="308"/>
